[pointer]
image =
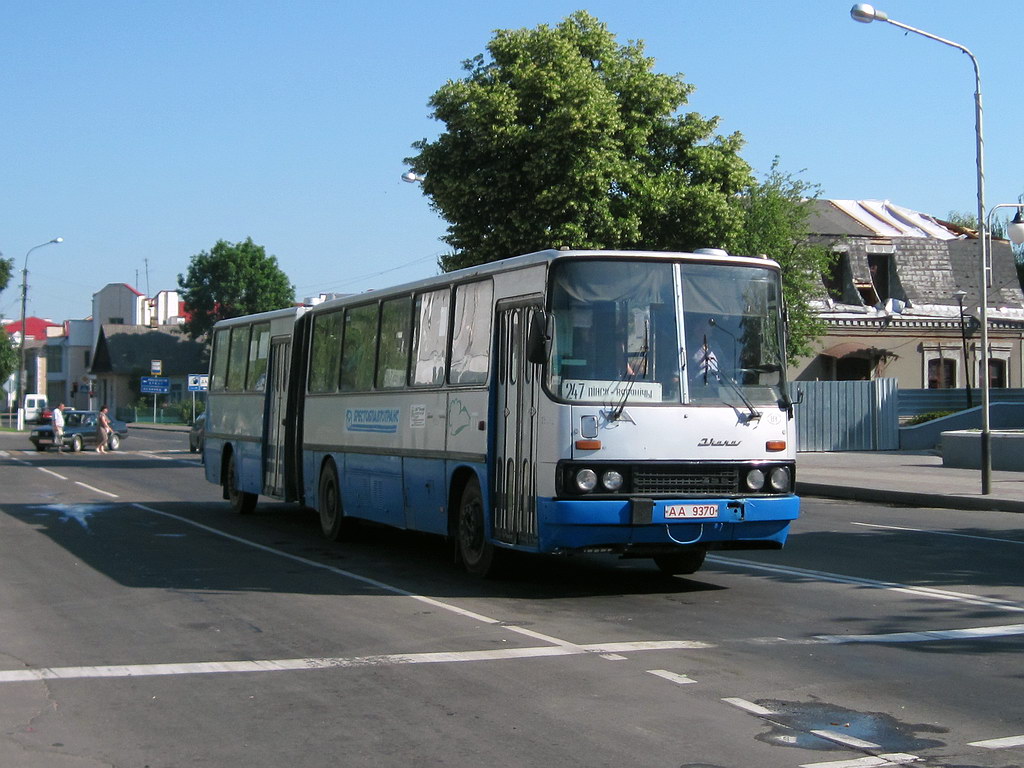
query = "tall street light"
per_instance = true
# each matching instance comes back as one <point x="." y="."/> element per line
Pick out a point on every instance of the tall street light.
<point x="867" y="13"/>
<point x="21" y="345"/>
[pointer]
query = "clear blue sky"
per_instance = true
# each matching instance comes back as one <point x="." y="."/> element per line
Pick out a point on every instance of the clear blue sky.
<point x="143" y="132"/>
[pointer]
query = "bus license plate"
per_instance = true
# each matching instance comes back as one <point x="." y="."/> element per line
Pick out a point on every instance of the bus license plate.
<point x="690" y="511"/>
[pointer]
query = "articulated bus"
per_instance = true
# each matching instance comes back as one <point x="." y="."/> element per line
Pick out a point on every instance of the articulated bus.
<point x="632" y="403"/>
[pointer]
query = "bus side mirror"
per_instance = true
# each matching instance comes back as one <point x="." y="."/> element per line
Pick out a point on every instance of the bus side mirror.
<point x="538" y="339"/>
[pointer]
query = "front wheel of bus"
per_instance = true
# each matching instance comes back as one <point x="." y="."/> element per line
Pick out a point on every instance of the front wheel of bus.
<point x="241" y="502"/>
<point x="332" y="516"/>
<point x="680" y="563"/>
<point x="478" y="555"/>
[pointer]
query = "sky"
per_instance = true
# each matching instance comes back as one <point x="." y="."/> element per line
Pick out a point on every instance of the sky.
<point x="144" y="132"/>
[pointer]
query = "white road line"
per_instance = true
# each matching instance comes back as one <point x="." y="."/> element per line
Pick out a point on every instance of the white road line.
<point x="749" y="706"/>
<point x="846" y="740"/>
<point x="284" y="665"/>
<point x="94" y="488"/>
<point x="939" y="533"/>
<point x="671" y="676"/>
<point x="1008" y="741"/>
<point x="970" y="633"/>
<point x="893" y="758"/>
<point x="937" y="594"/>
<point x="51" y="472"/>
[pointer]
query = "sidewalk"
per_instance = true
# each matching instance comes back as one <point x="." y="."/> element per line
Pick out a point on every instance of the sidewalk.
<point x="904" y="477"/>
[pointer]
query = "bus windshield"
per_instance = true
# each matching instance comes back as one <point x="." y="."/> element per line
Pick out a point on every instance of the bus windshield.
<point x="645" y="331"/>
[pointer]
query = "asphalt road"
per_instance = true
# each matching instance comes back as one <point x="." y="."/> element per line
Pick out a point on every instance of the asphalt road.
<point x="141" y="624"/>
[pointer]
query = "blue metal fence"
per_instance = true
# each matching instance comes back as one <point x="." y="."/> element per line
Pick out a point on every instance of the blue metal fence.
<point x="847" y="415"/>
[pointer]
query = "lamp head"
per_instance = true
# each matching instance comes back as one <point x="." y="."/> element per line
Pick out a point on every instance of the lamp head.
<point x="411" y="177"/>
<point x="865" y="13"/>
<point x="57" y="240"/>
<point x="1015" y="229"/>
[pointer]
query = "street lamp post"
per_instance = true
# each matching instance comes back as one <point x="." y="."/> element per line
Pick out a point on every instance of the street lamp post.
<point x="21" y="345"/>
<point x="865" y="13"/>
<point x="959" y="296"/>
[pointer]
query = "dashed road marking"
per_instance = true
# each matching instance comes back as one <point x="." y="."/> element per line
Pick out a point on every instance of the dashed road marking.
<point x="51" y="472"/>
<point x="1003" y="743"/>
<point x="845" y="739"/>
<point x="939" y="533"/>
<point x="893" y="758"/>
<point x="97" y="490"/>
<point x="749" y="706"/>
<point x="674" y="677"/>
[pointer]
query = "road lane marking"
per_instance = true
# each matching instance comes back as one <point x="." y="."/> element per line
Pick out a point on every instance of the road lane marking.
<point x="939" y="533"/>
<point x="1008" y="741"/>
<point x="893" y="758"/>
<point x="925" y="636"/>
<point x="51" y="472"/>
<point x="749" y="706"/>
<point x="937" y="594"/>
<point x="94" y="488"/>
<point x="674" y="677"/>
<point x="845" y="739"/>
<point x="341" y="662"/>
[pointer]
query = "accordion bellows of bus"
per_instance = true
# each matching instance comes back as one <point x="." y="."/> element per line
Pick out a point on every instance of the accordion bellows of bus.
<point x="633" y="403"/>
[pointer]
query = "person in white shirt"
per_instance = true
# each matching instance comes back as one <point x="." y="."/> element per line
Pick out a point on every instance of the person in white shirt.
<point x="58" y="427"/>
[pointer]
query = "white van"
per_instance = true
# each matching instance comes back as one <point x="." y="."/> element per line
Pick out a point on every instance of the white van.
<point x="34" y="407"/>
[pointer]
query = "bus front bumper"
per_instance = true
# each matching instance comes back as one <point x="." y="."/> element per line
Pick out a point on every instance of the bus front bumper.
<point x="637" y="525"/>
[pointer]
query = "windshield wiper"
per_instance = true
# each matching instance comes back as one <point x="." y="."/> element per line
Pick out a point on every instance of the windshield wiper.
<point x="633" y="369"/>
<point x="709" y="364"/>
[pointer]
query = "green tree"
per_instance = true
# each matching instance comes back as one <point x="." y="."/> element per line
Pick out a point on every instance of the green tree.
<point x="8" y="352"/>
<point x="562" y="136"/>
<point x="565" y="137"/>
<point x="232" y="279"/>
<point x="777" y="211"/>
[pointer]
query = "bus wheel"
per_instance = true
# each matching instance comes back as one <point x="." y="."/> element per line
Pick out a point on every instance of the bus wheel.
<point x="688" y="561"/>
<point x="241" y="502"/>
<point x="332" y="517"/>
<point x="478" y="555"/>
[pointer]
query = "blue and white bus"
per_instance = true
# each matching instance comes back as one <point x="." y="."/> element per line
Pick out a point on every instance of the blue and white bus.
<point x="632" y="403"/>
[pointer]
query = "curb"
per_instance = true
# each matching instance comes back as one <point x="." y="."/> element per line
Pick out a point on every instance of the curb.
<point x="910" y="498"/>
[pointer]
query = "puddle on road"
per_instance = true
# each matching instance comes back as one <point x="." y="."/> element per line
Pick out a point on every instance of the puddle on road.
<point x="793" y="721"/>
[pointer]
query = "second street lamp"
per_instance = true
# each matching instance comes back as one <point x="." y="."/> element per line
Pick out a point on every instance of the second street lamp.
<point x="865" y="13"/>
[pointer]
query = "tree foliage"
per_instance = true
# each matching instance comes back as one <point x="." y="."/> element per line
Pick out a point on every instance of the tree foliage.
<point x="562" y="136"/>
<point x="777" y="210"/>
<point x="230" y="280"/>
<point x="565" y="137"/>
<point x="8" y="356"/>
<point x="6" y="272"/>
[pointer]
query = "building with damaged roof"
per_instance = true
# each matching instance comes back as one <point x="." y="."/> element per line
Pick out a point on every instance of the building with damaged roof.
<point x="903" y="300"/>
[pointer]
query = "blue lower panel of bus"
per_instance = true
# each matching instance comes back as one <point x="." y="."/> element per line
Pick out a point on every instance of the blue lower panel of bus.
<point x="753" y="523"/>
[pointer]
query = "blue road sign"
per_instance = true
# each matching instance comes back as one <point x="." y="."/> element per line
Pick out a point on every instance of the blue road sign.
<point x="155" y="385"/>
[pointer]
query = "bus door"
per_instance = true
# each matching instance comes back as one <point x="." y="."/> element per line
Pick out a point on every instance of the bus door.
<point x="517" y="393"/>
<point x="274" y="463"/>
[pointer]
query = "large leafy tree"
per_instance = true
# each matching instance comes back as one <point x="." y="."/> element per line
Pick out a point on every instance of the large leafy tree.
<point x="229" y="280"/>
<point x="562" y="136"/>
<point x="8" y="353"/>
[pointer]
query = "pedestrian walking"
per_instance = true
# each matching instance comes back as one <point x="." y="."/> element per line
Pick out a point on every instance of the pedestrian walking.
<point x="57" y="419"/>
<point x="103" y="430"/>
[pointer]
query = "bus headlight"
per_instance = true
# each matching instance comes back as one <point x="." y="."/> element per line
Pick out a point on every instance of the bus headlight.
<point x="755" y="479"/>
<point x="586" y="480"/>
<point x="611" y="480"/>
<point x="779" y="479"/>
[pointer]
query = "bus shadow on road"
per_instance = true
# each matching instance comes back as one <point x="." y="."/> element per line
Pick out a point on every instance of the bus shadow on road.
<point x="279" y="548"/>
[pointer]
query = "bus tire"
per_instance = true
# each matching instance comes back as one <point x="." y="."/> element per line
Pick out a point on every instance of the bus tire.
<point x="478" y="555"/>
<point x="241" y="502"/>
<point x="680" y="563"/>
<point x="333" y="522"/>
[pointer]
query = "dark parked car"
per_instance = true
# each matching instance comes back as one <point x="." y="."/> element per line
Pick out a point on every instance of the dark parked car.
<point x="79" y="431"/>
<point x="197" y="434"/>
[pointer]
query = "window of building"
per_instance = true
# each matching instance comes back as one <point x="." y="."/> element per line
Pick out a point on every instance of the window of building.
<point x="941" y="373"/>
<point x="835" y="277"/>
<point x="54" y="360"/>
<point x="878" y="266"/>
<point x="997" y="369"/>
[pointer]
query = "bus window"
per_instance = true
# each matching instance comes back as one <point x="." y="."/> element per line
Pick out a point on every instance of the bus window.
<point x="237" y="358"/>
<point x="259" y="351"/>
<point x="221" y="342"/>
<point x="471" y="342"/>
<point x="325" y="356"/>
<point x="358" y="347"/>
<point x="430" y="338"/>
<point x="393" y="359"/>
